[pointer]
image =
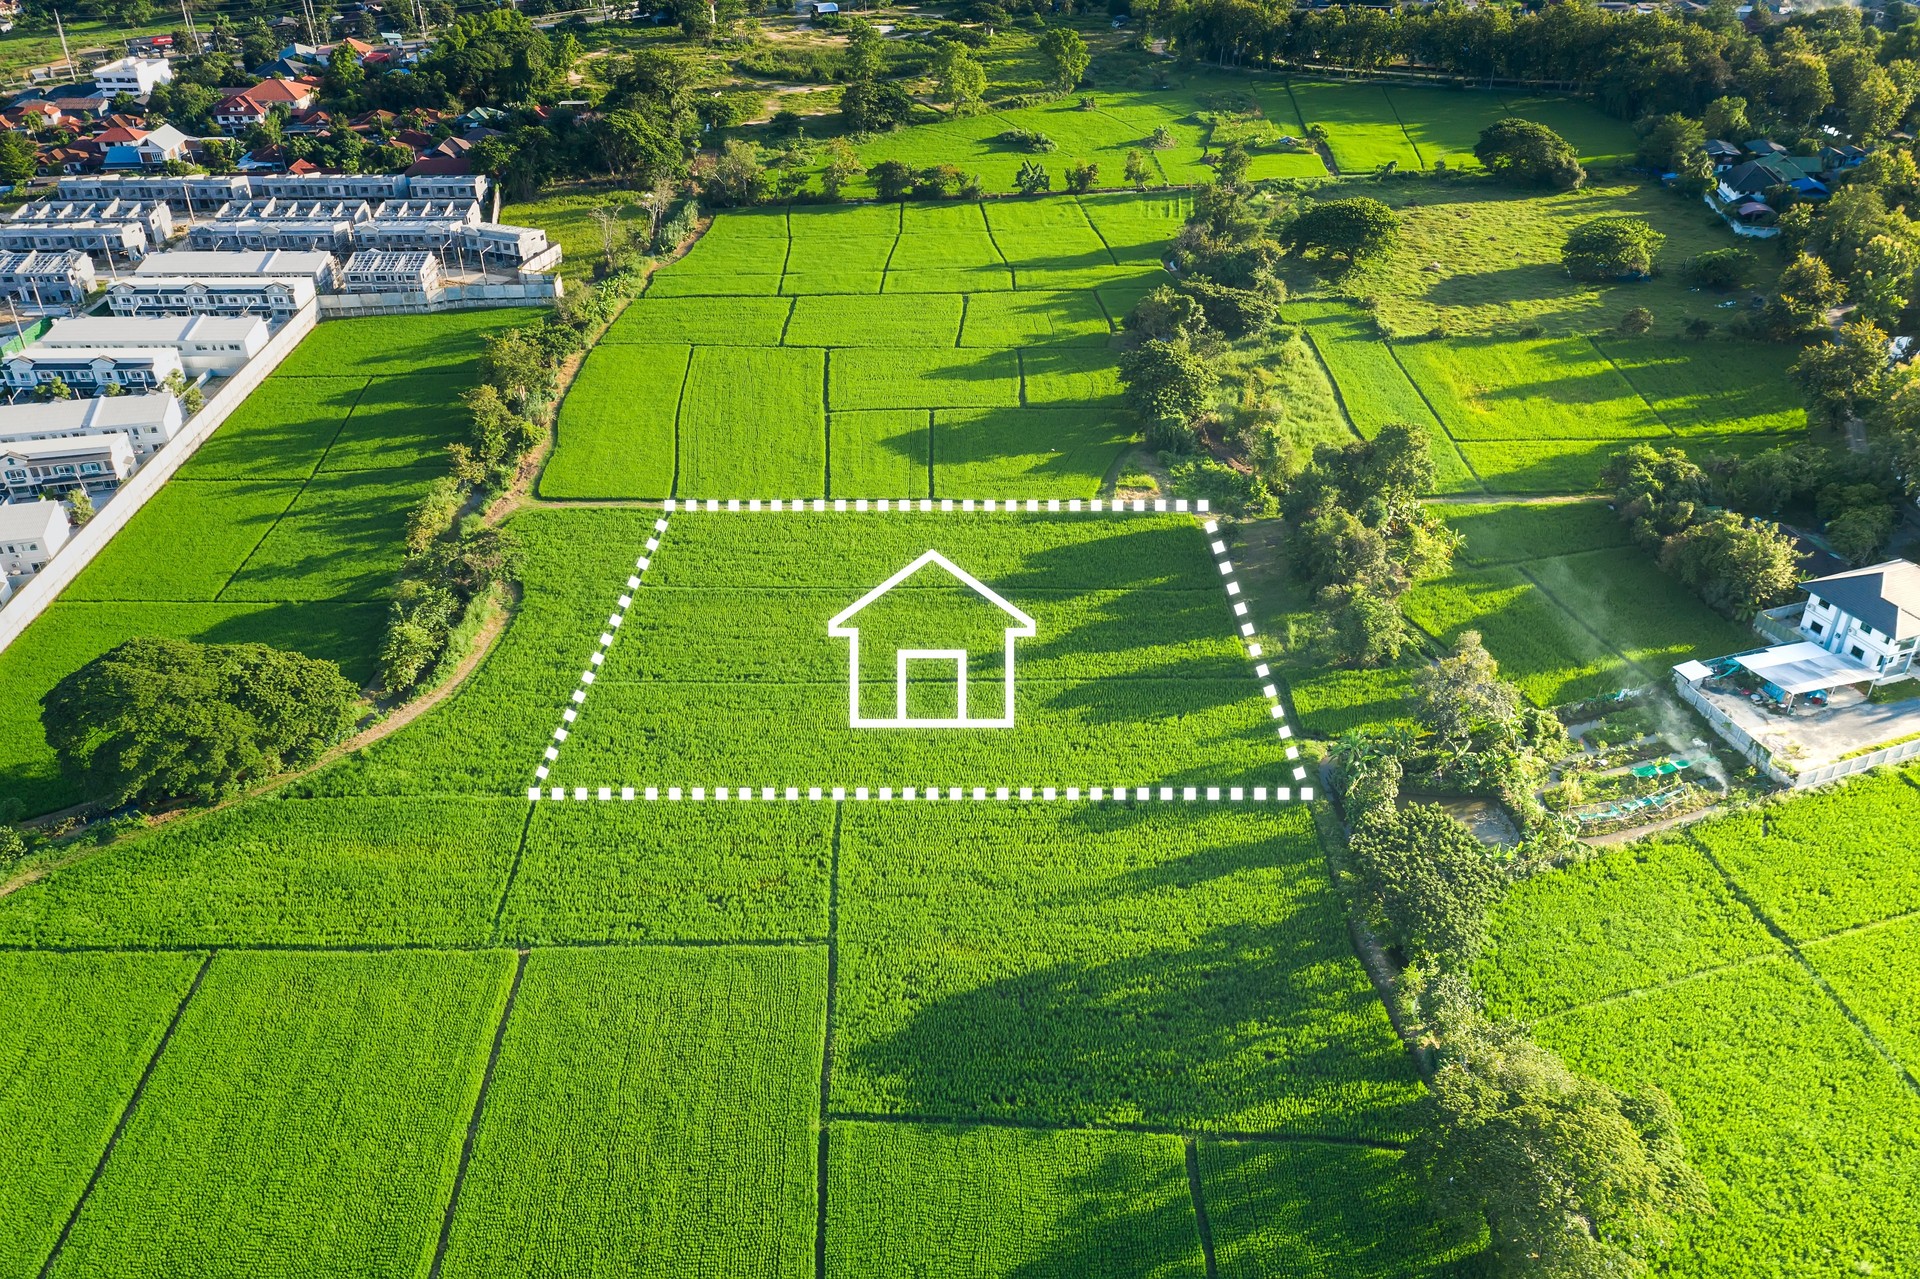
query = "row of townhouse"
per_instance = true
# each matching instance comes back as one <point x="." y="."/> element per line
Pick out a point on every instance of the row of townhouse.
<point x="199" y="194"/>
<point x="155" y="217"/>
<point x="95" y="444"/>
<point x="43" y="278"/>
<point x="100" y="355"/>
<point x="449" y="227"/>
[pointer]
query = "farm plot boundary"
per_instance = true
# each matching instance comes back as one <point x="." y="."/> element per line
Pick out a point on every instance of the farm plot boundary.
<point x="816" y="793"/>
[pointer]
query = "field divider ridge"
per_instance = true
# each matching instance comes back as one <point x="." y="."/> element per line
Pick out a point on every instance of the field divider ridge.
<point x="1446" y="430"/>
<point x="513" y="873"/>
<point x="479" y="1109"/>
<point x="1626" y="377"/>
<point x="826" y="1045"/>
<point x="1140" y="1129"/>
<point x="126" y="1114"/>
<point x="1393" y="107"/>
<point x="1520" y="567"/>
<point x="1191" y="1148"/>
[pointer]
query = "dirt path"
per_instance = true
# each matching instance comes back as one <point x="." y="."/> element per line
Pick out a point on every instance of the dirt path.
<point x="1511" y="499"/>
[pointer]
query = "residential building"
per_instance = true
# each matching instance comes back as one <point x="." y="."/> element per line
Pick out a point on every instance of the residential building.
<point x="121" y="237"/>
<point x="194" y="195"/>
<point x="214" y="344"/>
<point x="1756" y="177"/>
<point x="31" y="467"/>
<point x="285" y="210"/>
<point x="272" y="297"/>
<point x="30" y="532"/>
<point x="137" y="76"/>
<point x="45" y="278"/>
<point x="280" y="224"/>
<point x="241" y="111"/>
<point x="147" y="420"/>
<point x="1871" y="615"/>
<point x="90" y="371"/>
<point x="155" y="217"/>
<point x="331" y="186"/>
<point x="315" y="265"/>
<point x="381" y="271"/>
<point x="417" y="225"/>
<point x="143" y="148"/>
<point x="497" y="245"/>
<point x="445" y="180"/>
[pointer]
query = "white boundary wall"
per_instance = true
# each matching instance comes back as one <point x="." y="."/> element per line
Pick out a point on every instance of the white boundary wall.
<point x="87" y="542"/>
<point x="448" y="297"/>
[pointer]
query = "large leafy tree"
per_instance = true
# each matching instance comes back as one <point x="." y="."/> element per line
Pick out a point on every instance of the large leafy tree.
<point x="1066" y="56"/>
<point x="1353" y="228"/>
<point x="1610" y="247"/>
<point x="1528" y="153"/>
<point x="159" y="719"/>
<point x="1426" y="880"/>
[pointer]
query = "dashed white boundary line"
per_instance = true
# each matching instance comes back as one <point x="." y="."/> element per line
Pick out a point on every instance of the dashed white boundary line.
<point x="885" y="794"/>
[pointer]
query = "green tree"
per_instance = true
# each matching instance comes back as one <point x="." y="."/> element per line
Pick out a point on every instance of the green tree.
<point x="160" y="719"/>
<point x="1840" y="374"/>
<point x="1737" y="565"/>
<point x="1462" y="694"/>
<point x="1354" y="228"/>
<point x="1167" y="381"/>
<point x="842" y="165"/>
<point x="1799" y="87"/>
<point x="79" y="505"/>
<point x="869" y="106"/>
<point x="1807" y="291"/>
<point x="1858" y="532"/>
<point x="961" y="80"/>
<point x="1139" y="169"/>
<point x="1611" y="247"/>
<point x="1233" y="163"/>
<point x="1884" y="273"/>
<point x="18" y="160"/>
<point x="1726" y="119"/>
<point x="891" y="180"/>
<point x="1721" y="269"/>
<point x="13" y="847"/>
<point x="1531" y="154"/>
<point x="1426" y="882"/>
<point x="1032" y="178"/>
<point x="1576" y="1180"/>
<point x="1065" y="55"/>
<point x="1081" y="175"/>
<point x="1166" y="314"/>
<point x="738" y="177"/>
<point x="1667" y="140"/>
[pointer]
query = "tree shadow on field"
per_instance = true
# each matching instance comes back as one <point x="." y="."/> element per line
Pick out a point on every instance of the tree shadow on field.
<point x="1534" y="282"/>
<point x="1122" y="1218"/>
<point x="1236" y="1030"/>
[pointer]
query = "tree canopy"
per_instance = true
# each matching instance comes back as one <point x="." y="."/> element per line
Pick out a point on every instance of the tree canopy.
<point x="1353" y="228"/>
<point x="1611" y="247"/>
<point x="1528" y="153"/>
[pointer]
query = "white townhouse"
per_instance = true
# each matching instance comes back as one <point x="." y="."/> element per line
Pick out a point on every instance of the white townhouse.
<point x="416" y="225"/>
<point x="154" y="216"/>
<point x="30" y="532"/>
<point x="148" y="420"/>
<point x="31" y="467"/>
<point x="447" y="186"/>
<point x="40" y="278"/>
<point x="281" y="224"/>
<point x="315" y="265"/>
<point x="91" y="370"/>
<point x="521" y="247"/>
<point x="196" y="194"/>
<point x="1870" y="614"/>
<point x="138" y="76"/>
<point x="119" y="237"/>
<point x="330" y="186"/>
<point x="214" y="344"/>
<point x="274" y="297"/>
<point x="376" y="271"/>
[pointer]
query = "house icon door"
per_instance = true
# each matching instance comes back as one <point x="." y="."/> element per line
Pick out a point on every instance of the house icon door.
<point x="912" y="664"/>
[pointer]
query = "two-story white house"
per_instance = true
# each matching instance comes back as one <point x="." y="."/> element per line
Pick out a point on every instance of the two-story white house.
<point x="91" y="370"/>
<point x="215" y="344"/>
<point x="147" y="420"/>
<point x="275" y="297"/>
<point x="30" y="532"/>
<point x="95" y="462"/>
<point x="1870" y="614"/>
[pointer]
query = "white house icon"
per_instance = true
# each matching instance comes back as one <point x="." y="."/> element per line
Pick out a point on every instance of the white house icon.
<point x="1018" y="624"/>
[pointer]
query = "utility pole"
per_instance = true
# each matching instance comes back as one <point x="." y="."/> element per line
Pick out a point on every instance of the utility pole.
<point x="66" y="56"/>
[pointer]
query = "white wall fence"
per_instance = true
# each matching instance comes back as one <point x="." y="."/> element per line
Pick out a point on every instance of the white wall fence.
<point x="448" y="297"/>
<point x="1762" y="758"/>
<point x="32" y="599"/>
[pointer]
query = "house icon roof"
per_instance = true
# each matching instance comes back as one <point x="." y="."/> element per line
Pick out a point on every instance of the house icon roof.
<point x="1020" y="623"/>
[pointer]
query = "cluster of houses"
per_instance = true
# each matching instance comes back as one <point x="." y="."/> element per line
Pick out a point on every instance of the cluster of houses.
<point x="1749" y="176"/>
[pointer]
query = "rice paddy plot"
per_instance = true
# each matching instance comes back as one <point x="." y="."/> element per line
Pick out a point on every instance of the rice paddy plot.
<point x="1511" y="532"/>
<point x="402" y="422"/>
<point x="1598" y="138"/>
<point x="1362" y="131"/>
<point x="1527" y="389"/>
<point x="923" y="378"/>
<point x="75" y="1033"/>
<point x="1079" y="964"/>
<point x="1633" y="918"/>
<point x="616" y="433"/>
<point x="840" y="250"/>
<point x="1872" y="971"/>
<point x="343" y="538"/>
<point x="187" y="542"/>
<point x="1007" y="1203"/>
<point x="1137" y="228"/>
<point x="1059" y="452"/>
<point x="660" y="1108"/>
<point x="746" y="321"/>
<point x="1711" y="388"/>
<point x="1050" y="244"/>
<point x="1808" y="1140"/>
<point x="1056" y="376"/>
<point x="1035" y="319"/>
<point x="1444" y="124"/>
<point x="879" y="453"/>
<point x="1312" y="1210"/>
<point x="679" y="872"/>
<point x="307" y="872"/>
<point x="877" y="321"/>
<point x="741" y="242"/>
<point x="752" y="423"/>
<point x="295" y="1084"/>
<point x="666" y="283"/>
<point x="1558" y="466"/>
<point x="1374" y="389"/>
<point x="388" y="345"/>
<point x="946" y="248"/>
<point x="1645" y="613"/>
<point x="1540" y="646"/>
<point x="280" y="432"/>
<point x="72" y="633"/>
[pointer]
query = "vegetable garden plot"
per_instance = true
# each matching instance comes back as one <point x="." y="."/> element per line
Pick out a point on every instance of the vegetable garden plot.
<point x="1631" y="919"/>
<point x="732" y="678"/>
<point x="1310" y="1210"/>
<point x="1064" y="452"/>
<point x="918" y="378"/>
<point x="187" y="542"/>
<point x="879" y="452"/>
<point x="75" y="1033"/>
<point x="1048" y="319"/>
<point x="617" y="434"/>
<point x="1528" y="390"/>
<point x="1087" y="964"/>
<point x="707" y="321"/>
<point x="402" y="422"/>
<point x="343" y="538"/>
<point x="1808" y="1140"/>
<point x="280" y="432"/>
<point x="72" y="633"/>
<point x="305" y="1120"/>
<point x="660" y="1108"/>
<point x="751" y="421"/>
<point x="883" y="321"/>
<point x="1007" y="1203"/>
<point x="297" y="872"/>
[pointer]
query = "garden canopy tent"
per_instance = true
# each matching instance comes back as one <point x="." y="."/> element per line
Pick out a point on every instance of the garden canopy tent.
<point x="1805" y="668"/>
